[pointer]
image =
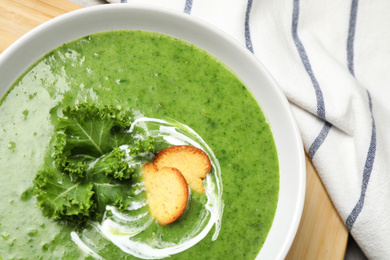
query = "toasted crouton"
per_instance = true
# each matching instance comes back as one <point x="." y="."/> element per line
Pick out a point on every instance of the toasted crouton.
<point x="166" y="191"/>
<point x="192" y="162"/>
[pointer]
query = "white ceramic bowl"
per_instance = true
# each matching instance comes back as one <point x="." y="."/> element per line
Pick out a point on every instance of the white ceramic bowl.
<point x="25" y="51"/>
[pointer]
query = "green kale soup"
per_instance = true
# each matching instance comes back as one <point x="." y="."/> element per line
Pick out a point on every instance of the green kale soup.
<point x="77" y="127"/>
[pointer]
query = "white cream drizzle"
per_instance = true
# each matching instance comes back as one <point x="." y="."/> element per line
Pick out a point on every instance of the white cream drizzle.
<point x="76" y="239"/>
<point x="121" y="227"/>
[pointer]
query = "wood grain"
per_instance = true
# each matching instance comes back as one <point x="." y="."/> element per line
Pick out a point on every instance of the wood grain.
<point x="20" y="16"/>
<point x="321" y="234"/>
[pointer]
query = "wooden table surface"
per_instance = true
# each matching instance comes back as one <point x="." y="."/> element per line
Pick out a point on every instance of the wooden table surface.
<point x="321" y="234"/>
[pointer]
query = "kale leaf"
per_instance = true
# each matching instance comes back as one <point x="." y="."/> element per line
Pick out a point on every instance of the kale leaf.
<point x="60" y="198"/>
<point x="87" y="166"/>
<point x="87" y="132"/>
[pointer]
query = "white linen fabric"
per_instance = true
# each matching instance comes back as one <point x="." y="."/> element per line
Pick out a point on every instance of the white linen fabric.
<point x="332" y="61"/>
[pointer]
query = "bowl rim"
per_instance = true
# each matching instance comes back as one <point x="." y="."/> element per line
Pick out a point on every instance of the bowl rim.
<point x="15" y="52"/>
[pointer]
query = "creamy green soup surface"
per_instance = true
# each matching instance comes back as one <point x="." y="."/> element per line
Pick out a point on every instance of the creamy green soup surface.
<point x="169" y="87"/>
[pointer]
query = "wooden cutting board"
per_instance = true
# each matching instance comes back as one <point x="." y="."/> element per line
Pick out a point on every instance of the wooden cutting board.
<point x="321" y="234"/>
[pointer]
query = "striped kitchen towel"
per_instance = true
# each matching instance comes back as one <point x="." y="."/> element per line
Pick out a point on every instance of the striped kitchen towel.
<point x="332" y="60"/>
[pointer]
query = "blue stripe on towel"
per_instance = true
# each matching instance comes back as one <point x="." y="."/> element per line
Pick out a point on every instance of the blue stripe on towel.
<point x="248" y="40"/>
<point x="306" y="62"/>
<point x="188" y="7"/>
<point x="351" y="36"/>
<point x="366" y="173"/>
<point x="123" y="1"/>
<point x="320" y="99"/>
<point x="319" y="140"/>
<point x="372" y="149"/>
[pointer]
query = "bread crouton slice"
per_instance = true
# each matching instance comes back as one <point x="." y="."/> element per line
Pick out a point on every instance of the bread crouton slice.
<point x="166" y="192"/>
<point x="192" y="162"/>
